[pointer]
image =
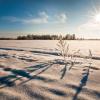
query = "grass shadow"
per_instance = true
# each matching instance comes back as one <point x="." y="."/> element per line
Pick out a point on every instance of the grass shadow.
<point x="17" y="74"/>
<point x="83" y="82"/>
<point x="27" y="73"/>
<point x="41" y="68"/>
<point x="63" y="71"/>
<point x="6" y="81"/>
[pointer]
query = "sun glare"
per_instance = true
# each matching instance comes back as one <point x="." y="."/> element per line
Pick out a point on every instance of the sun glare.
<point x="97" y="17"/>
<point x="95" y="14"/>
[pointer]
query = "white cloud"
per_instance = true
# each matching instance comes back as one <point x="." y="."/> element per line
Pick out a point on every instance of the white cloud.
<point x="42" y="18"/>
<point x="61" y="18"/>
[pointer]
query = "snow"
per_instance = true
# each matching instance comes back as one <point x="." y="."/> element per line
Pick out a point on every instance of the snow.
<point x="34" y="67"/>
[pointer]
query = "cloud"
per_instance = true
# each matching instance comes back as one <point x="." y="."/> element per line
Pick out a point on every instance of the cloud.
<point x="42" y="18"/>
<point x="10" y="18"/>
<point x="61" y="18"/>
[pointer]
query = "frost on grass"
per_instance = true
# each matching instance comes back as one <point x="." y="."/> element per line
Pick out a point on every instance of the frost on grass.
<point x="69" y="59"/>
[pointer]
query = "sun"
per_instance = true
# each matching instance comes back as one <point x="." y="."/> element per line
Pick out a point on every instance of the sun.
<point x="97" y="17"/>
<point x="94" y="14"/>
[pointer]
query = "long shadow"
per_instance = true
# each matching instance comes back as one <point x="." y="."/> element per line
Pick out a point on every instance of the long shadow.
<point x="45" y="66"/>
<point x="41" y="68"/>
<point x="4" y="55"/>
<point x="17" y="74"/>
<point x="45" y="52"/>
<point x="67" y="66"/>
<point x="6" y="81"/>
<point x="63" y="72"/>
<point x="36" y="67"/>
<point x="83" y="82"/>
<point x="33" y="51"/>
<point x="12" y="49"/>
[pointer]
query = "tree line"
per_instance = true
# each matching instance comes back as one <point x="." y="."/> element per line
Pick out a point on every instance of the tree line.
<point x="46" y="37"/>
<point x="43" y="37"/>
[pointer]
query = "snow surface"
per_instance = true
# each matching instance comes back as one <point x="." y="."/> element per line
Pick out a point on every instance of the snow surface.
<point x="33" y="70"/>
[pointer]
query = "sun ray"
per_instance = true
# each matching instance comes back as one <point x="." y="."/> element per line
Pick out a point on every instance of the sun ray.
<point x="94" y="14"/>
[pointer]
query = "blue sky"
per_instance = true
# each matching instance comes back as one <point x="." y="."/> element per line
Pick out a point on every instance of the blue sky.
<point x="21" y="17"/>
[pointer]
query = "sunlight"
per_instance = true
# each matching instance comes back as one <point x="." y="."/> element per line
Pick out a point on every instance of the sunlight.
<point x="97" y="17"/>
<point x="95" y="14"/>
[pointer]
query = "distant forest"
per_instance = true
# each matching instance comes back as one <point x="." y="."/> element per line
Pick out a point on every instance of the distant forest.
<point x="43" y="37"/>
<point x="46" y="37"/>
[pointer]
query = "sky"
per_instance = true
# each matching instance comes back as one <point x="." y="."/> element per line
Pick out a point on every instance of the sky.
<point x="22" y="17"/>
